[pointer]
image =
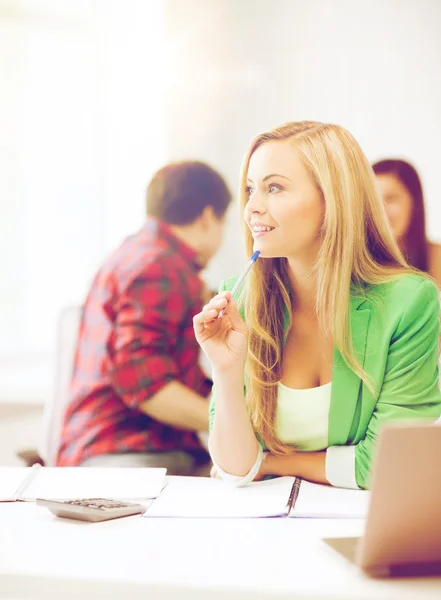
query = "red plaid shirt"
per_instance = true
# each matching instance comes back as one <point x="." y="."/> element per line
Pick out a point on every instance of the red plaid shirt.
<point x="136" y="335"/>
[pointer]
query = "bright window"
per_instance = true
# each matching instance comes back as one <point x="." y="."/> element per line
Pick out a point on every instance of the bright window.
<point x="81" y="116"/>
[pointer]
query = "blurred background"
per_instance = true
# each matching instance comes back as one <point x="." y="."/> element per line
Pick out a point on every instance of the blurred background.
<point x="95" y="95"/>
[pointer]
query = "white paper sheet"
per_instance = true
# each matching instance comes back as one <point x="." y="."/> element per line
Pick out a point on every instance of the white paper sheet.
<point x="324" y="501"/>
<point x="63" y="483"/>
<point x="206" y="498"/>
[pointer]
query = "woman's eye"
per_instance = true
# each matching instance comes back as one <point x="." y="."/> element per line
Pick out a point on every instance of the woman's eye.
<point x="274" y="188"/>
<point x="248" y="190"/>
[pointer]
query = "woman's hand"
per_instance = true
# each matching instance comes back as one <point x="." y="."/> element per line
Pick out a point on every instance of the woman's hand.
<point x="224" y="340"/>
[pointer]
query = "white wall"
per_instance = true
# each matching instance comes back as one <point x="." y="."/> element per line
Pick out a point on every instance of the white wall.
<point x="81" y="133"/>
<point x="94" y="99"/>
<point x="239" y="67"/>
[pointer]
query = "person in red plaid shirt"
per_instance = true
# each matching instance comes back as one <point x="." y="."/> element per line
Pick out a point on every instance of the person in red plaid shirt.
<point x="138" y="396"/>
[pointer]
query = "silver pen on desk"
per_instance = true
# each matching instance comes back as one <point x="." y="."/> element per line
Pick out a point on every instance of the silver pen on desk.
<point x="241" y="279"/>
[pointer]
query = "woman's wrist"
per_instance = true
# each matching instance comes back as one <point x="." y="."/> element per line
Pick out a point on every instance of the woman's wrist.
<point x="279" y="465"/>
<point x="229" y="376"/>
<point x="267" y="467"/>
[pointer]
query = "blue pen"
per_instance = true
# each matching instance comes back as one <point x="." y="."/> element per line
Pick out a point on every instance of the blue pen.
<point x="241" y="279"/>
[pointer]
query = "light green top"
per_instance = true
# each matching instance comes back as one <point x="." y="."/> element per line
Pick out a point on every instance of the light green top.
<point x="302" y="417"/>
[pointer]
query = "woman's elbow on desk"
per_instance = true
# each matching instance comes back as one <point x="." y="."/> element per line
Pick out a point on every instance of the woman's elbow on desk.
<point x="307" y="465"/>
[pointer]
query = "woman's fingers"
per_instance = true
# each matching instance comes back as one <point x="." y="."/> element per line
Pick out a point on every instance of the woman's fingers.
<point x="221" y="296"/>
<point x="210" y="312"/>
<point x="218" y="302"/>
<point x="205" y="318"/>
<point x="235" y="318"/>
<point x="200" y="323"/>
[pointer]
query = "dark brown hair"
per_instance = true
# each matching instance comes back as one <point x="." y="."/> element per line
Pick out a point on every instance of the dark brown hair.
<point x="414" y="243"/>
<point x="178" y="193"/>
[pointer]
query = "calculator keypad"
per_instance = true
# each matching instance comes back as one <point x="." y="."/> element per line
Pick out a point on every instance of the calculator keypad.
<point x="98" y="503"/>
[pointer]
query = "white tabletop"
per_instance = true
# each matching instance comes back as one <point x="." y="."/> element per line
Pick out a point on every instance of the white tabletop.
<point x="42" y="556"/>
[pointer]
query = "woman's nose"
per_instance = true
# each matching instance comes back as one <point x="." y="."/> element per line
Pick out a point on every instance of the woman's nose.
<point x="257" y="203"/>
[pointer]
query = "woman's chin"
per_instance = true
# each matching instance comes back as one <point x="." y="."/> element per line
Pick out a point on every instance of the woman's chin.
<point x="264" y="252"/>
<point x="266" y="247"/>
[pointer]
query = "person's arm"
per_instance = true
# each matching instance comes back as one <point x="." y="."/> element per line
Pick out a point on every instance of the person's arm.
<point x="143" y="369"/>
<point x="306" y="465"/>
<point x="232" y="442"/>
<point x="410" y="387"/>
<point x="178" y="406"/>
<point x="410" y="390"/>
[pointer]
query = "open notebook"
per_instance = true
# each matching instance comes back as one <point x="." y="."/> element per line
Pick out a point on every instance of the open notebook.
<point x="64" y="483"/>
<point x="280" y="497"/>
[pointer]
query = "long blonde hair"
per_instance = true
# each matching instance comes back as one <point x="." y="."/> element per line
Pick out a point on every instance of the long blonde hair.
<point x="357" y="248"/>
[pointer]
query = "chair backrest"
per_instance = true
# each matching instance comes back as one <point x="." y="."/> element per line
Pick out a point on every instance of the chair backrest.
<point x="67" y="336"/>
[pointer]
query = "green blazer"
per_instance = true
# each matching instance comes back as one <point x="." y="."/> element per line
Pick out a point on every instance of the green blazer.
<point x="395" y="333"/>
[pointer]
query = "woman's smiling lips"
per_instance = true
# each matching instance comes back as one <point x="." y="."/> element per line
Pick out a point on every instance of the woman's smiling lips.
<point x="260" y="229"/>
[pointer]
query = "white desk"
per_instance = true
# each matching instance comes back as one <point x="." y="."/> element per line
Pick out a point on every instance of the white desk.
<point x="42" y="556"/>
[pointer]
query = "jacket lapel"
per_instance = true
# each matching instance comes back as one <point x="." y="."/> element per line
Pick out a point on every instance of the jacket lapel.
<point x="345" y="383"/>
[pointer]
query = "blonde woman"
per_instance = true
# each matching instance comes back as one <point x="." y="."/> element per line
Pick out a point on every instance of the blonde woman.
<point x="334" y="334"/>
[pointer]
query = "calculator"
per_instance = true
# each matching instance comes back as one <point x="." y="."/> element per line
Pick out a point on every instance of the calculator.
<point x="92" y="509"/>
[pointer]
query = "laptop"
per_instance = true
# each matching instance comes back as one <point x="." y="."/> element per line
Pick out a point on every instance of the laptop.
<point x="403" y="527"/>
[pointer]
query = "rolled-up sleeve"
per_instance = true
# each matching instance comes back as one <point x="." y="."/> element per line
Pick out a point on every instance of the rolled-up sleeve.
<point x="340" y="466"/>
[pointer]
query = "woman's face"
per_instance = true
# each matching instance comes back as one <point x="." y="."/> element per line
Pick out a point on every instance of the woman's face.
<point x="398" y="203"/>
<point x="285" y="210"/>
